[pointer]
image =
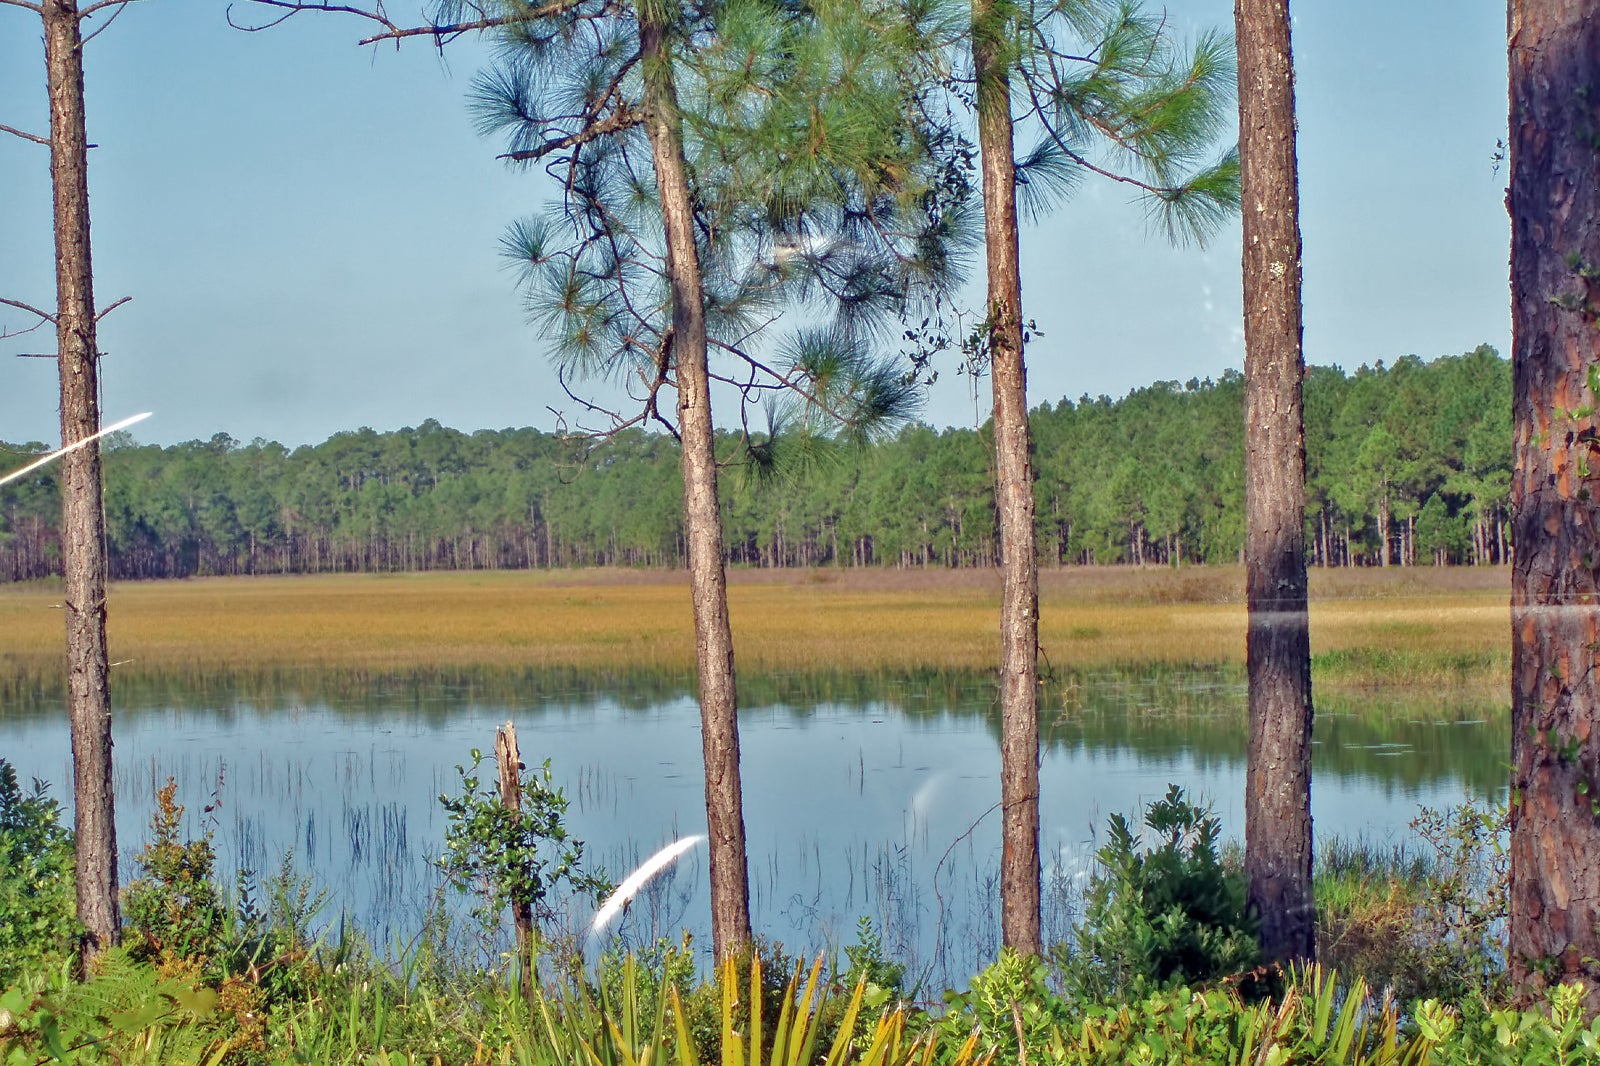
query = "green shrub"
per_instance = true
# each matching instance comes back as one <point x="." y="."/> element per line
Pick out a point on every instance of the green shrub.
<point x="174" y="912"/>
<point x="511" y="857"/>
<point x="869" y="963"/>
<point x="1314" y="1021"/>
<point x="38" y="910"/>
<point x="1421" y="923"/>
<point x="1011" y="1007"/>
<point x="1160" y="915"/>
<point x="1462" y="923"/>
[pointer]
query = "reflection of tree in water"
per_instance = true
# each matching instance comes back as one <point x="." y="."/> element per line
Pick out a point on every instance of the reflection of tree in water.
<point x="1393" y="738"/>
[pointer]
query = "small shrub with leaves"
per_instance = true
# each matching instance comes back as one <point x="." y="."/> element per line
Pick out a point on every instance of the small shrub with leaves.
<point x="1162" y="914"/>
<point x="38" y="911"/>
<point x="1012" y="1008"/>
<point x="870" y="966"/>
<point x="1462" y="922"/>
<point x="174" y="912"/>
<point x="509" y="856"/>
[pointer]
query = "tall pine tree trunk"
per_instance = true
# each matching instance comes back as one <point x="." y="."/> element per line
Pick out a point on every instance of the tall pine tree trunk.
<point x="719" y="723"/>
<point x="1277" y="644"/>
<point x="82" y="517"/>
<point x="1019" y="601"/>
<point x="1555" y="577"/>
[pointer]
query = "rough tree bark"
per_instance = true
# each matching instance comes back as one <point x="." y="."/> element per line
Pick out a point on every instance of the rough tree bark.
<point x="1277" y="644"/>
<point x="1554" y="202"/>
<point x="1019" y="601"/>
<point x="509" y="766"/>
<point x="82" y="518"/>
<point x="719" y="723"/>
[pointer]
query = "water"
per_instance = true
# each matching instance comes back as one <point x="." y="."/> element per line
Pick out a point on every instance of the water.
<point x="863" y="796"/>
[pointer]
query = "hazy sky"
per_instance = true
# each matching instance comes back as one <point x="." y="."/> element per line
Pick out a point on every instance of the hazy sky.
<point x="309" y="230"/>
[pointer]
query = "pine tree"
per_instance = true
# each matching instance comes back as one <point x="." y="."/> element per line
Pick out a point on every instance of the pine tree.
<point x="1094" y="81"/>
<point x="1555" y="578"/>
<point x="715" y="163"/>
<point x="1277" y="643"/>
<point x="82" y="514"/>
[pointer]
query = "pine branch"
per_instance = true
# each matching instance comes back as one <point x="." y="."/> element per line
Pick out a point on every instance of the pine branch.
<point x="7" y="334"/>
<point x="35" y="8"/>
<point x="392" y="31"/>
<point x="101" y="5"/>
<point x="107" y="310"/>
<point x="119" y="5"/>
<point x="28" y="307"/>
<point x="16" y="132"/>
<point x="624" y="117"/>
<point x="1163" y="191"/>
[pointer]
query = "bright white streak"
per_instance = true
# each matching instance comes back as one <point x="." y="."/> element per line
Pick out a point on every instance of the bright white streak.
<point x="634" y="882"/>
<point x="74" y="446"/>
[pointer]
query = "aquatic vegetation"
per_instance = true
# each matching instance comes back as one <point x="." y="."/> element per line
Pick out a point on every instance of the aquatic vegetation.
<point x="1452" y="623"/>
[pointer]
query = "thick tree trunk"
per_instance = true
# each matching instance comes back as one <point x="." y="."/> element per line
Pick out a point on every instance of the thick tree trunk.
<point x="1019" y="600"/>
<point x="1555" y="579"/>
<point x="719" y="723"/>
<point x="82" y="518"/>
<point x="1277" y="649"/>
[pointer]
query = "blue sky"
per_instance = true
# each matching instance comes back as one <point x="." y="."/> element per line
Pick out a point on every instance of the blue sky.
<point x="309" y="229"/>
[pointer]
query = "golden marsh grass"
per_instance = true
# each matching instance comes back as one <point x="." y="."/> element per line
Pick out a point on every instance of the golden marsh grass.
<point x="1417" y="626"/>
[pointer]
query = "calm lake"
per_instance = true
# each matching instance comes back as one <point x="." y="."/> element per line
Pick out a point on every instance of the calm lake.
<point x="863" y="795"/>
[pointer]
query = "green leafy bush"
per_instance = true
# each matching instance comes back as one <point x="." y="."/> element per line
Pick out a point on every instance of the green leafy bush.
<point x="869" y="963"/>
<point x="1160" y="915"/>
<point x="38" y="910"/>
<point x="1462" y="925"/>
<point x="1420" y="922"/>
<point x="174" y="912"/>
<point x="510" y="856"/>
<point x="1012" y="1008"/>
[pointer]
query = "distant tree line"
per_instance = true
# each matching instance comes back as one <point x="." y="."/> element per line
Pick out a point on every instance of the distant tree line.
<point x="1408" y="464"/>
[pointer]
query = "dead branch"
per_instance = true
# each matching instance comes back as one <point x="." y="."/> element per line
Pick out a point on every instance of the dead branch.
<point x="623" y="118"/>
<point x="119" y="5"/>
<point x="7" y="334"/>
<point x="106" y="311"/>
<point x="20" y="306"/>
<point x="18" y="133"/>
<point x="35" y="8"/>
<point x="392" y="31"/>
<point x="291" y="8"/>
<point x="101" y="5"/>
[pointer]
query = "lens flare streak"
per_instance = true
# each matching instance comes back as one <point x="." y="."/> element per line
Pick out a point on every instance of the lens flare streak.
<point x="634" y="883"/>
<point x="74" y="446"/>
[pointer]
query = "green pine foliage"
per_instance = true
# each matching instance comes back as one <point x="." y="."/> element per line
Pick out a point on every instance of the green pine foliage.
<point x="1421" y="449"/>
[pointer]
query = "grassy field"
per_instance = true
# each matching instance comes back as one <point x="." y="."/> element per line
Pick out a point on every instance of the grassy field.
<point x="1416" y="626"/>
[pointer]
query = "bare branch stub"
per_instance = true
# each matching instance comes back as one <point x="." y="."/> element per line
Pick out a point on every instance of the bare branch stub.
<point x="291" y="8"/>
<point x="117" y="5"/>
<point x="101" y="5"/>
<point x="20" y="306"/>
<point x="441" y="32"/>
<point x="24" y="135"/>
<point x="7" y="334"/>
<point x="110" y="308"/>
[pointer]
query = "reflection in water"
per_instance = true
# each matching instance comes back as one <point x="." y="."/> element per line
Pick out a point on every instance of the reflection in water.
<point x="864" y="795"/>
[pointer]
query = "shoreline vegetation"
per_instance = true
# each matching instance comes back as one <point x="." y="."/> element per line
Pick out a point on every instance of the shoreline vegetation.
<point x="1409" y="933"/>
<point x="1439" y="627"/>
